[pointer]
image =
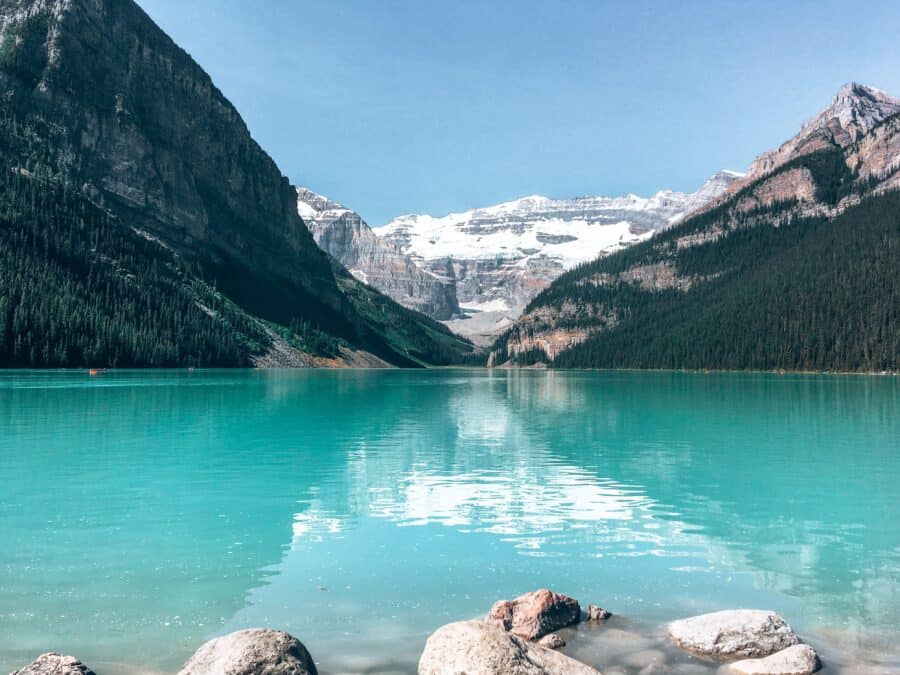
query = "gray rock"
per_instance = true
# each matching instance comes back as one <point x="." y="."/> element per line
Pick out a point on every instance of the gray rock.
<point x="855" y="110"/>
<point x="479" y="648"/>
<point x="552" y="641"/>
<point x="52" y="663"/>
<point x="595" y="613"/>
<point x="535" y="614"/>
<point x="732" y="634"/>
<point x="257" y="651"/>
<point x="373" y="260"/>
<point x="796" y="660"/>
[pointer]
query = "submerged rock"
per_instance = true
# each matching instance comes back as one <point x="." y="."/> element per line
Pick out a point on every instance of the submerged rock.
<point x="731" y="634"/>
<point x="596" y="613"/>
<point x="535" y="614"/>
<point x="52" y="663"/>
<point x="644" y="659"/>
<point x="480" y="648"/>
<point x="552" y="641"/>
<point x="257" y="651"/>
<point x="796" y="660"/>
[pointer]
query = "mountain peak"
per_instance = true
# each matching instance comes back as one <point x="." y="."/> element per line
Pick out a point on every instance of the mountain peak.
<point x="856" y="108"/>
<point x="854" y="111"/>
<point x="310" y="203"/>
<point x="858" y="90"/>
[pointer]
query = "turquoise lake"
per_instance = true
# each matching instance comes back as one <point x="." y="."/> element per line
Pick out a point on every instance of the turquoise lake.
<point x="143" y="512"/>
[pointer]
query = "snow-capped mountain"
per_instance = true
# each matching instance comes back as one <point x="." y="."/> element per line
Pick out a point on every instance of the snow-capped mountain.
<point x="374" y="260"/>
<point x="499" y="257"/>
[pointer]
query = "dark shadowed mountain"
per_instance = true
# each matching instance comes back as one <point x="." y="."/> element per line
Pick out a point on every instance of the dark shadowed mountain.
<point x="141" y="224"/>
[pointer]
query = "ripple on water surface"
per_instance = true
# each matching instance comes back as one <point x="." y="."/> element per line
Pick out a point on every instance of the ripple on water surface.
<point x="143" y="512"/>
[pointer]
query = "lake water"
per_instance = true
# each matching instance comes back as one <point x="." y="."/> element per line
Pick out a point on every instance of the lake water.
<point x="143" y="512"/>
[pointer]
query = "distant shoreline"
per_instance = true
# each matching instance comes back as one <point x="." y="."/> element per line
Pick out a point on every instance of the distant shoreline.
<point x="687" y="371"/>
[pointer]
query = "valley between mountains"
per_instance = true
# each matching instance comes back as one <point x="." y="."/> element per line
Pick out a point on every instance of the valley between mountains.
<point x="793" y="265"/>
<point x="142" y="225"/>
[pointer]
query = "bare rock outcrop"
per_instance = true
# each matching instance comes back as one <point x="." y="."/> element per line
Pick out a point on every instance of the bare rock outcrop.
<point x="733" y="634"/>
<point x="535" y="614"/>
<point x="479" y="648"/>
<point x="854" y="111"/>
<point x="256" y="651"/>
<point x="876" y="156"/>
<point x="374" y="260"/>
<point x="793" y="184"/>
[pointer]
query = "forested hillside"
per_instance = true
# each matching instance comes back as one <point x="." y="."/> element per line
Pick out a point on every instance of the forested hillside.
<point x="143" y="226"/>
<point x="76" y="288"/>
<point x="786" y="285"/>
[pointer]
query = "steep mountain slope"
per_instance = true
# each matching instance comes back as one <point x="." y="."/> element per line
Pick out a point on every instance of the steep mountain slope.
<point x="101" y="106"/>
<point x="501" y="256"/>
<point x="797" y="268"/>
<point x="374" y="260"/>
<point x="855" y="111"/>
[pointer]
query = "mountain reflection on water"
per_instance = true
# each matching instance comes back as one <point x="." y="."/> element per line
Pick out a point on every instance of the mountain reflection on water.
<point x="360" y="510"/>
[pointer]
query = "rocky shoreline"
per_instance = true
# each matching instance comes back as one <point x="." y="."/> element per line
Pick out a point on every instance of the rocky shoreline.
<point x="521" y="637"/>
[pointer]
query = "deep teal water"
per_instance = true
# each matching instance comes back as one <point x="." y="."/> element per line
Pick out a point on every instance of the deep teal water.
<point x="143" y="512"/>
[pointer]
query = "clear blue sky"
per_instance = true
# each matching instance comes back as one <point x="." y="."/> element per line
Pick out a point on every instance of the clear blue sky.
<point x="433" y="106"/>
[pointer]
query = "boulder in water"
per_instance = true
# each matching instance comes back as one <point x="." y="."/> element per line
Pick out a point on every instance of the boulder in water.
<point x="257" y="651"/>
<point x="535" y="614"/>
<point x="733" y="634"/>
<point x="480" y="648"/>
<point x="52" y="663"/>
<point x="796" y="660"/>
<point x="597" y="613"/>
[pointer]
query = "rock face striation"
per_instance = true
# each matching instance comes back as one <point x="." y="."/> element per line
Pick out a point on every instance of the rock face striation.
<point x="141" y="127"/>
<point x="731" y="634"/>
<point x="375" y="260"/>
<point x="478" y="648"/>
<point x="257" y="651"/>
<point x="534" y="615"/>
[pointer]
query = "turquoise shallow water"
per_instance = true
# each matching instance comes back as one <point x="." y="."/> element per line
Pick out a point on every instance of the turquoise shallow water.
<point x="143" y="512"/>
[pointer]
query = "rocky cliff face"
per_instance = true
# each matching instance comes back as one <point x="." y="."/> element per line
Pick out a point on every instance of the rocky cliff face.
<point x="500" y="257"/>
<point x="855" y="111"/>
<point x="140" y="126"/>
<point x="110" y="106"/>
<point x="374" y="260"/>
